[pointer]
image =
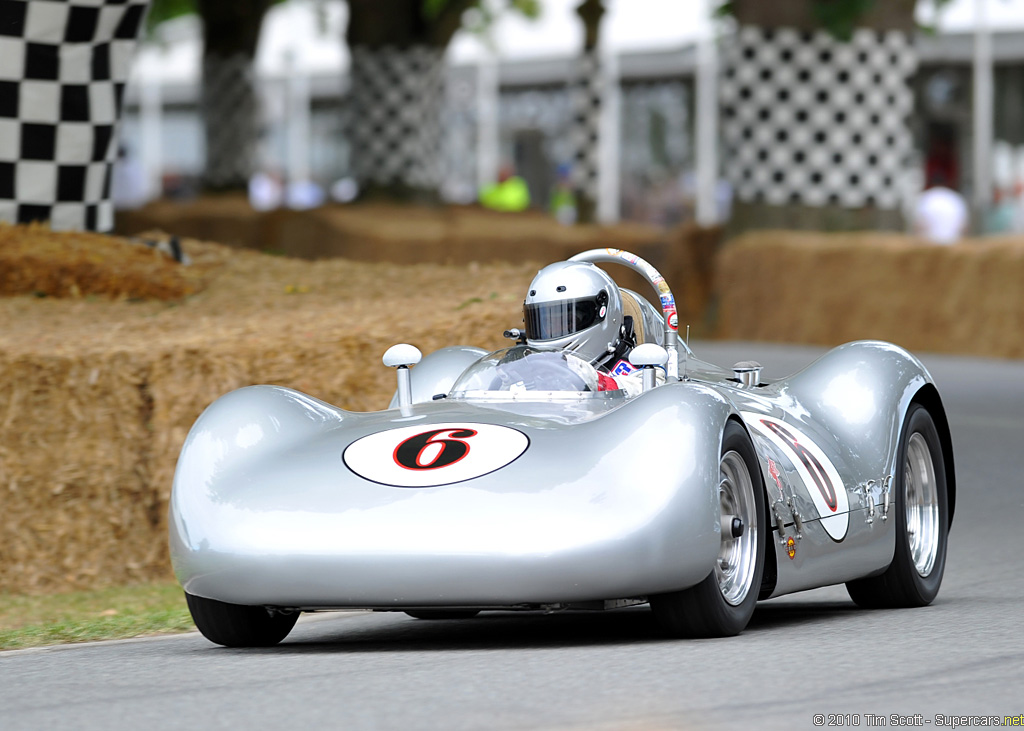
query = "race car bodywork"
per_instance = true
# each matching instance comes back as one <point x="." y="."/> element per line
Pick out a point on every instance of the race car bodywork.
<point x="502" y="481"/>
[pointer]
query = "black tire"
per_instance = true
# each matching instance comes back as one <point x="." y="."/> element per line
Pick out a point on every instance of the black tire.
<point x="443" y="613"/>
<point x="904" y="584"/>
<point x="236" y="625"/>
<point x="703" y="610"/>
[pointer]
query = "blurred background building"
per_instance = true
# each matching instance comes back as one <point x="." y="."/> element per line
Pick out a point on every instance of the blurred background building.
<point x="508" y="102"/>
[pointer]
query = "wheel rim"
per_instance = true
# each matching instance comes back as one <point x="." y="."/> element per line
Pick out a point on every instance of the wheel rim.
<point x="922" y="504"/>
<point x="736" y="556"/>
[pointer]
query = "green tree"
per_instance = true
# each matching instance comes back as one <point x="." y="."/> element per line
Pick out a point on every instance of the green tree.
<point x="839" y="17"/>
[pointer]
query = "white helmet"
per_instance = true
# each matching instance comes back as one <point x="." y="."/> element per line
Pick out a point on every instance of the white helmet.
<point x="574" y="305"/>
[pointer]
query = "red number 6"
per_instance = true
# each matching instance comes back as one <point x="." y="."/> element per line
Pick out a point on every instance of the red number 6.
<point x="409" y="454"/>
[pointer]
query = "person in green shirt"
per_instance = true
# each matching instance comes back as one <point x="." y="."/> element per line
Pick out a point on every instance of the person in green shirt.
<point x="509" y="194"/>
<point x="563" y="199"/>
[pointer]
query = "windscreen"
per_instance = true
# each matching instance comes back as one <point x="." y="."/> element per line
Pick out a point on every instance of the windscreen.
<point x="527" y="369"/>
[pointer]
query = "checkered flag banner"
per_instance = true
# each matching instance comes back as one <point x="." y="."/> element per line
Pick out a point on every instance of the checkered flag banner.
<point x="811" y="120"/>
<point x="393" y="115"/>
<point x="63" y="68"/>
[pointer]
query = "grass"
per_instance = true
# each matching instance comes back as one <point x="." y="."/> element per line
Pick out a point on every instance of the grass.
<point x="85" y="616"/>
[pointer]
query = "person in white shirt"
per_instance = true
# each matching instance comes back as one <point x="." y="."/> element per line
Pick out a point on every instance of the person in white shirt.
<point x="940" y="214"/>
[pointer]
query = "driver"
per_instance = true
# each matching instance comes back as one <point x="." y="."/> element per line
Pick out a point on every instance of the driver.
<point x="576" y="306"/>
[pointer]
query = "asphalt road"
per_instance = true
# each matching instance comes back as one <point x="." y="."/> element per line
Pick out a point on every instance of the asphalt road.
<point x="802" y="655"/>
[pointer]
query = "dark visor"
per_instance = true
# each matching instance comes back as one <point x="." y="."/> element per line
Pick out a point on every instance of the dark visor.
<point x="551" y="320"/>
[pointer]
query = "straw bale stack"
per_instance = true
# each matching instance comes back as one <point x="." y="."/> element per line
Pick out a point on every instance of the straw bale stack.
<point x="832" y="288"/>
<point x="73" y="474"/>
<point x="450" y="235"/>
<point x="225" y="218"/>
<point x="34" y="261"/>
<point x="97" y="395"/>
<point x="382" y="232"/>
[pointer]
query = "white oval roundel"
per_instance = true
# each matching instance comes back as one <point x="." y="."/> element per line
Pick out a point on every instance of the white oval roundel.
<point x="428" y="455"/>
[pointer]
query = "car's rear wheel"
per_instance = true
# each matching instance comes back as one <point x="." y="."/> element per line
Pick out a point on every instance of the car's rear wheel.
<point x="236" y="625"/>
<point x="721" y="605"/>
<point x="921" y="511"/>
<point x="443" y="613"/>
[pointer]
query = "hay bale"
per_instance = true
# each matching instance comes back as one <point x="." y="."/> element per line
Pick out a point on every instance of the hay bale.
<point x="381" y="232"/>
<point x="36" y="260"/>
<point x="828" y="289"/>
<point x="73" y="472"/>
<point x="227" y="219"/>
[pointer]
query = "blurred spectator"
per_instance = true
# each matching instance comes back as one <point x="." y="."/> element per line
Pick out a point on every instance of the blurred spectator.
<point x="265" y="191"/>
<point x="178" y="186"/>
<point x="128" y="185"/>
<point x="1018" y="189"/>
<point x="510" y="193"/>
<point x="1018" y="207"/>
<point x="302" y="195"/>
<point x="723" y="200"/>
<point x="1002" y="218"/>
<point x="940" y="213"/>
<point x="345" y="190"/>
<point x="563" y="200"/>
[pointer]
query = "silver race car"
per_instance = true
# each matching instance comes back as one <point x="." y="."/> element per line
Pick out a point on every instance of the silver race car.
<point x="595" y="463"/>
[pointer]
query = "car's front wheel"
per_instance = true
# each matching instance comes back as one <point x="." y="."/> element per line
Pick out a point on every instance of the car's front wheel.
<point x="921" y="512"/>
<point x="722" y="604"/>
<point x="236" y="625"/>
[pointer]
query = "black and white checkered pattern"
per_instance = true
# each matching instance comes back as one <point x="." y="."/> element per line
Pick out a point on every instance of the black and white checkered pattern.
<point x="231" y="116"/>
<point x="585" y="100"/>
<point x="393" y="115"/>
<point x="811" y="120"/>
<point x="63" y="68"/>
